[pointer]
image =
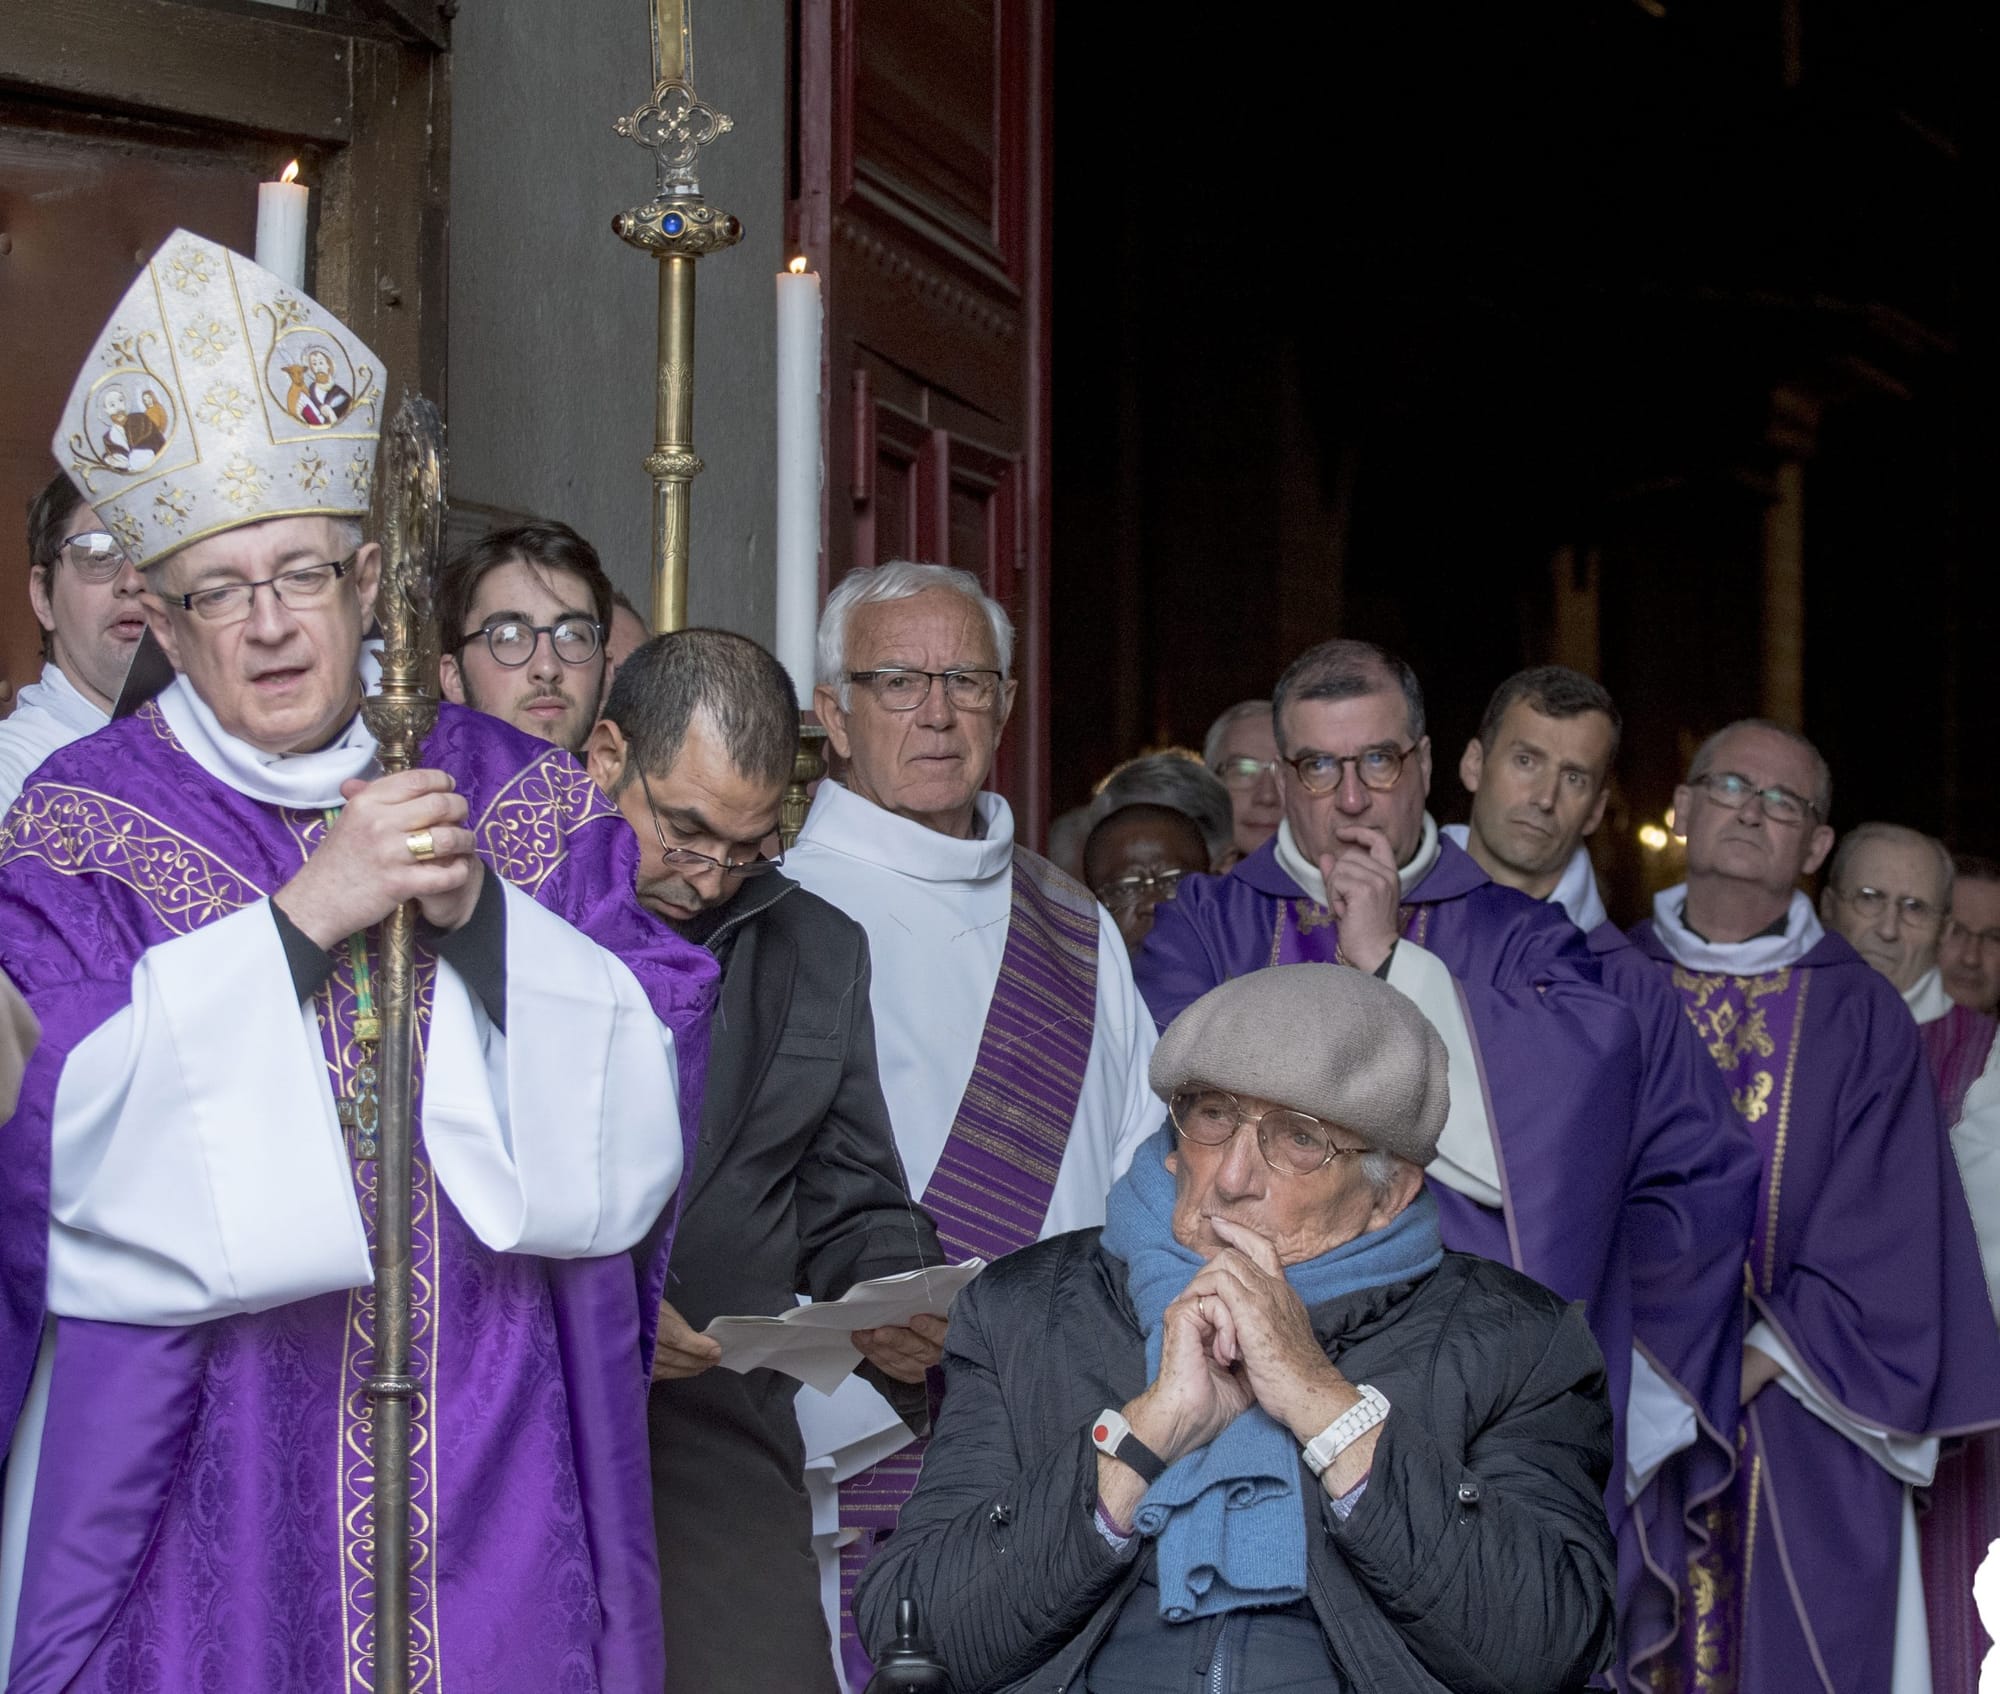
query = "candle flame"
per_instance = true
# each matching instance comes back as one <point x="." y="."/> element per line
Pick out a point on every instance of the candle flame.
<point x="1652" y="837"/>
<point x="291" y="172"/>
<point x="798" y="266"/>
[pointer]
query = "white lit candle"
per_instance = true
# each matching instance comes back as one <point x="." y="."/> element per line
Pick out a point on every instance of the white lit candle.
<point x="800" y="319"/>
<point x="281" y="226"/>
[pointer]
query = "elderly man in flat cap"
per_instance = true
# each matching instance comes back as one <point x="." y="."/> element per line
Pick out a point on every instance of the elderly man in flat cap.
<point x="1262" y="1432"/>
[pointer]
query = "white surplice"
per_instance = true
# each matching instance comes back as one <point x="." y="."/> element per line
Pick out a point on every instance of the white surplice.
<point x="936" y="910"/>
<point x="198" y="1170"/>
<point x="1909" y="1460"/>
<point x="47" y="715"/>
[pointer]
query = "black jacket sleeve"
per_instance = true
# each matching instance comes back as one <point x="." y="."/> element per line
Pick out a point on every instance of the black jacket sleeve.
<point x="856" y="1218"/>
<point x="1457" y="1554"/>
<point x="1003" y="1556"/>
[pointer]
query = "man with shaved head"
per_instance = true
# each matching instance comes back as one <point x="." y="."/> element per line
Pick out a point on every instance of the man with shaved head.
<point x="1871" y="1335"/>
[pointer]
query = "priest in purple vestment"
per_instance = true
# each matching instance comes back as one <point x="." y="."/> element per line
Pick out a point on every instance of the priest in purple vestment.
<point x="1539" y="774"/>
<point x="1545" y="1061"/>
<point x="1888" y="891"/>
<point x="189" y="900"/>
<point x="1871" y="1338"/>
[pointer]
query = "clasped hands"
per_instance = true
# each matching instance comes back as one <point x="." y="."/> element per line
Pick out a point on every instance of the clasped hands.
<point x="365" y="867"/>
<point x="904" y="1353"/>
<point x="1364" y="891"/>
<point x="1238" y="1335"/>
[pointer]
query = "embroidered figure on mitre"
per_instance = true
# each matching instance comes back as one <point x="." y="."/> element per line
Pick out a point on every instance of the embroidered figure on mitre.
<point x="166" y="463"/>
<point x="315" y="398"/>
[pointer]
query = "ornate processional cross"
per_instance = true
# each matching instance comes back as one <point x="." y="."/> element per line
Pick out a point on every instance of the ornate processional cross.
<point x="677" y="226"/>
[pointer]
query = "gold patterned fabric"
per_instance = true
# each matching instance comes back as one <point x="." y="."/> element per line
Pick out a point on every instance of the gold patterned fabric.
<point x="217" y="396"/>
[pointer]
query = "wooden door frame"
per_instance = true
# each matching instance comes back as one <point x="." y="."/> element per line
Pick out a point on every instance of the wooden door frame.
<point x="1016" y="275"/>
<point x="367" y="99"/>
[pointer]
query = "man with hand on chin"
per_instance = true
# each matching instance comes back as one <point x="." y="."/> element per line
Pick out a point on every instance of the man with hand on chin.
<point x="1262" y="1431"/>
<point x="1545" y="1062"/>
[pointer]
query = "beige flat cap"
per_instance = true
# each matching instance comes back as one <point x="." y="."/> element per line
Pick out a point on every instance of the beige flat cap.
<point x="1323" y="1039"/>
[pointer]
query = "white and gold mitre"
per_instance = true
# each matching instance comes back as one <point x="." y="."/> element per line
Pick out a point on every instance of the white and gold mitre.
<point x="218" y="396"/>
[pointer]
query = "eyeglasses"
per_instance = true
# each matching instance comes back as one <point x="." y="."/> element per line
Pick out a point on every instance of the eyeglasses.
<point x="1986" y="940"/>
<point x="512" y="643"/>
<point x="1128" y="891"/>
<point x="1293" y="1143"/>
<point x="687" y="856"/>
<point x="1872" y="902"/>
<point x="1733" y="789"/>
<point x="1243" y="773"/>
<point x="297" y="591"/>
<point x="1379" y="768"/>
<point x="94" y="554"/>
<point x="905" y="691"/>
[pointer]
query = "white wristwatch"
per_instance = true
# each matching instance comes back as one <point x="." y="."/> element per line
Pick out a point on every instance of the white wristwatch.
<point x="1346" y="1429"/>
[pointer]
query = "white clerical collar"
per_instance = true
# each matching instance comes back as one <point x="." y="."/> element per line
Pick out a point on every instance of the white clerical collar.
<point x="841" y="821"/>
<point x="1295" y="865"/>
<point x="63" y="701"/>
<point x="1759" y="954"/>
<point x="1926" y="997"/>
<point x="1576" y="891"/>
<point x="306" y="782"/>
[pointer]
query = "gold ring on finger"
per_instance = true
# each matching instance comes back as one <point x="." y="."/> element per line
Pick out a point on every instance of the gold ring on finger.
<point x="421" y="846"/>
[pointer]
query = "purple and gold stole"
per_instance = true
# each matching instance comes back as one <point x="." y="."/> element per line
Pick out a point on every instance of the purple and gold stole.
<point x="990" y="1192"/>
<point x="1956" y="1046"/>
<point x="1751" y="1027"/>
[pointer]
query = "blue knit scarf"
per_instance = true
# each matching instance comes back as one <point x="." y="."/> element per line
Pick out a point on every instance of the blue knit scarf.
<point x="1228" y="1517"/>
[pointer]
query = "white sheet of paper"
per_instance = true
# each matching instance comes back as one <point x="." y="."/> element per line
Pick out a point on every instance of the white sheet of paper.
<point x="811" y="1342"/>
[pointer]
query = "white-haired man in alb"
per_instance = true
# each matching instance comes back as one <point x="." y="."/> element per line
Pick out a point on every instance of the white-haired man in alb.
<point x="1012" y="1044"/>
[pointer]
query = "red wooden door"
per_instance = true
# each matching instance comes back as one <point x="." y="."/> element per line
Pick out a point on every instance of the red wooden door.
<point x="921" y="195"/>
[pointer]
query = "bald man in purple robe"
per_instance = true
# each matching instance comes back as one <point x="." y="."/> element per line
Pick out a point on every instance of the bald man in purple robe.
<point x="1871" y="1337"/>
<point x="1532" y="1168"/>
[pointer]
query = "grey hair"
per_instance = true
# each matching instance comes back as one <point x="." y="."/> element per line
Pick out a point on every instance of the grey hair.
<point x="349" y="535"/>
<point x="1863" y="833"/>
<point x="1346" y="670"/>
<point x="1175" y="781"/>
<point x="1218" y="732"/>
<point x="1822" y="794"/>
<point x="1378" y="1169"/>
<point x="900" y="579"/>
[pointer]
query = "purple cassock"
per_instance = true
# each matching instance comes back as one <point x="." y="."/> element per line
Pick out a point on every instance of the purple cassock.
<point x="1864" y="1265"/>
<point x="200" y="1512"/>
<point x="1559" y="1056"/>
<point x="1690" y="1202"/>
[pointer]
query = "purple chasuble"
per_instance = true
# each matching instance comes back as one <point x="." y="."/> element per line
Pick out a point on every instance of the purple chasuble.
<point x="1863" y="1261"/>
<point x="1690" y="1199"/>
<point x="1963" y="1515"/>
<point x="201" y="1514"/>
<point x="1558" y="1052"/>
<point x="990" y="1192"/>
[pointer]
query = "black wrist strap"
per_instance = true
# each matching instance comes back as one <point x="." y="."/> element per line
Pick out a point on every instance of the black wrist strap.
<point x="1135" y="1455"/>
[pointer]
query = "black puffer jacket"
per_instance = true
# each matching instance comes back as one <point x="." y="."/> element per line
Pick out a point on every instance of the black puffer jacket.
<point x="1478" y="1560"/>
